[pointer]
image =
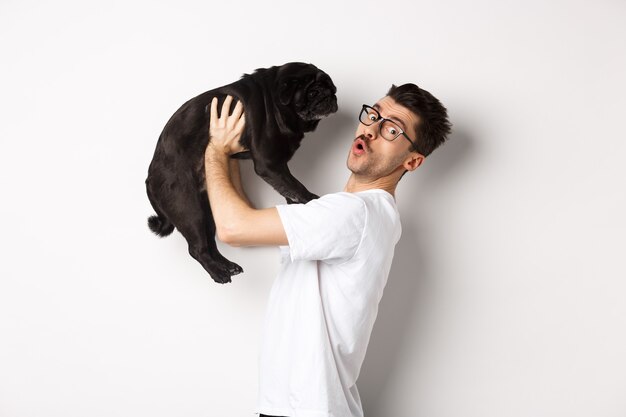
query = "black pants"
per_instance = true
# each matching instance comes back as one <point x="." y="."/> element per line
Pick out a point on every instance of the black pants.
<point x="265" y="415"/>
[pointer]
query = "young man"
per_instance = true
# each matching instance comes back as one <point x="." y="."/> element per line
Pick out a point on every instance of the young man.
<point x="336" y="251"/>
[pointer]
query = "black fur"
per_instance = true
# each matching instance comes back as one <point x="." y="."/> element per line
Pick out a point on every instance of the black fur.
<point x="280" y="103"/>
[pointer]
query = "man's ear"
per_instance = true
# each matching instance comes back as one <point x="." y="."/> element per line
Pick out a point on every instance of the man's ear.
<point x="286" y="90"/>
<point x="414" y="162"/>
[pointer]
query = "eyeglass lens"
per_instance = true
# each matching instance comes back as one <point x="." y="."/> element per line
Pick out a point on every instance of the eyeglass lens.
<point x="389" y="130"/>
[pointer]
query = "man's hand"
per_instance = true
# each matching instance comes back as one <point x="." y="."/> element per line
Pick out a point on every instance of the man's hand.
<point x="225" y="131"/>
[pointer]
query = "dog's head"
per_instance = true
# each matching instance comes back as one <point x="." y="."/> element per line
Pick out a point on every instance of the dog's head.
<point x="306" y="89"/>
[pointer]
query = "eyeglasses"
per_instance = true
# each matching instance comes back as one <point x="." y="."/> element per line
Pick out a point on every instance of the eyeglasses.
<point x="389" y="129"/>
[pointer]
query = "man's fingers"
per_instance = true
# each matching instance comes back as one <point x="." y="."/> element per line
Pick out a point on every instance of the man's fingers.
<point x="238" y="110"/>
<point x="240" y="123"/>
<point x="214" y="111"/>
<point x="238" y="129"/>
<point x="226" y="107"/>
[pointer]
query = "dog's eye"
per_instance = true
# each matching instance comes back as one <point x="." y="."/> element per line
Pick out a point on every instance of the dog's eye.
<point x="312" y="94"/>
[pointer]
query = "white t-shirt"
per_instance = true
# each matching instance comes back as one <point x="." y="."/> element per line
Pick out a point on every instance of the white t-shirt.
<point x="323" y="304"/>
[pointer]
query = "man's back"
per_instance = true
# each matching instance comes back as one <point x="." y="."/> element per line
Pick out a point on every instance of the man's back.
<point x="323" y="304"/>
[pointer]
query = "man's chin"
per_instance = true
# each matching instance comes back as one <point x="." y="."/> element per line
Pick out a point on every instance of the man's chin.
<point x="355" y="167"/>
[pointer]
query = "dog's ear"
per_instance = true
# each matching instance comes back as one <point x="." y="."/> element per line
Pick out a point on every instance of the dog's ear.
<point x="286" y="89"/>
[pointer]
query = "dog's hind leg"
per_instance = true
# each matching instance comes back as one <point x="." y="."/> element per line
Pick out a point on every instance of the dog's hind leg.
<point x="232" y="267"/>
<point x="198" y="229"/>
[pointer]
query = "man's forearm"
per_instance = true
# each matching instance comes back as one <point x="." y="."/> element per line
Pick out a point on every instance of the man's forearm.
<point x="227" y="206"/>
<point x="235" y="177"/>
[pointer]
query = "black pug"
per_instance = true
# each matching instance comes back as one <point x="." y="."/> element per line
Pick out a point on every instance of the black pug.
<point x="280" y="103"/>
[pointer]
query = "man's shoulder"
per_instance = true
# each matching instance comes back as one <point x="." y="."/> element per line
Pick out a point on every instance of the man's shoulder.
<point x="338" y="203"/>
<point x="344" y="199"/>
<point x="342" y="194"/>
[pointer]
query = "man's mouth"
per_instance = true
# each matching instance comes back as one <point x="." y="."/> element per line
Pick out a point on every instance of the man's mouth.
<point x="359" y="147"/>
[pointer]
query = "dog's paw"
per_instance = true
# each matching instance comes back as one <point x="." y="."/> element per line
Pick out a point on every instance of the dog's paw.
<point x="220" y="276"/>
<point x="223" y="270"/>
<point x="301" y="199"/>
<point x="233" y="268"/>
<point x="227" y="265"/>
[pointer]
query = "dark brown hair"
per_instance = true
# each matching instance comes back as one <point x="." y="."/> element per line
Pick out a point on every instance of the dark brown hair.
<point x="433" y="126"/>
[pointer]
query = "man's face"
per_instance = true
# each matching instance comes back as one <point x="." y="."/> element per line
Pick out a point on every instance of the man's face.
<point x="381" y="157"/>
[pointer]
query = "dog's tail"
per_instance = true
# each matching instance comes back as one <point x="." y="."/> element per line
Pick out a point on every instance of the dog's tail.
<point x="161" y="226"/>
<point x="159" y="223"/>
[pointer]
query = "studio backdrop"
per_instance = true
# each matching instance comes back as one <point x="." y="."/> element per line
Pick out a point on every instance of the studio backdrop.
<point x="506" y="292"/>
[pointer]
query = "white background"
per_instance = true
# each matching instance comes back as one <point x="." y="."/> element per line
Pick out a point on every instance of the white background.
<point x="506" y="295"/>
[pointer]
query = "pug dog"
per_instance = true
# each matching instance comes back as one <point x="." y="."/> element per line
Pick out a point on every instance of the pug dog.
<point x="281" y="103"/>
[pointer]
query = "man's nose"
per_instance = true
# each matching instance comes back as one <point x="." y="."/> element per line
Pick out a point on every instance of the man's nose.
<point x="372" y="131"/>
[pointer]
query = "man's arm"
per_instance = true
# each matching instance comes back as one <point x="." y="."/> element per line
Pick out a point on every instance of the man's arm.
<point x="236" y="222"/>
<point x="235" y="177"/>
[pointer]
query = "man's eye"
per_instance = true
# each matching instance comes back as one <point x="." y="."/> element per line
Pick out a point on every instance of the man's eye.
<point x="392" y="131"/>
<point x="372" y="116"/>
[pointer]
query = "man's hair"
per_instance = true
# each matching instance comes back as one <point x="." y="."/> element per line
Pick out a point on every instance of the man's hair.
<point x="433" y="126"/>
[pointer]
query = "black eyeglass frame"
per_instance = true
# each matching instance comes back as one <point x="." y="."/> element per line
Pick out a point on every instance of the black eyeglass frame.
<point x="381" y="120"/>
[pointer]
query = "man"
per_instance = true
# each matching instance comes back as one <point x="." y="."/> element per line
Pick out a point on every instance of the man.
<point x="336" y="251"/>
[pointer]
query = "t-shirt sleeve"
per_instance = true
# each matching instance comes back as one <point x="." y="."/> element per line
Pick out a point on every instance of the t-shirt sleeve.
<point x="328" y="228"/>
